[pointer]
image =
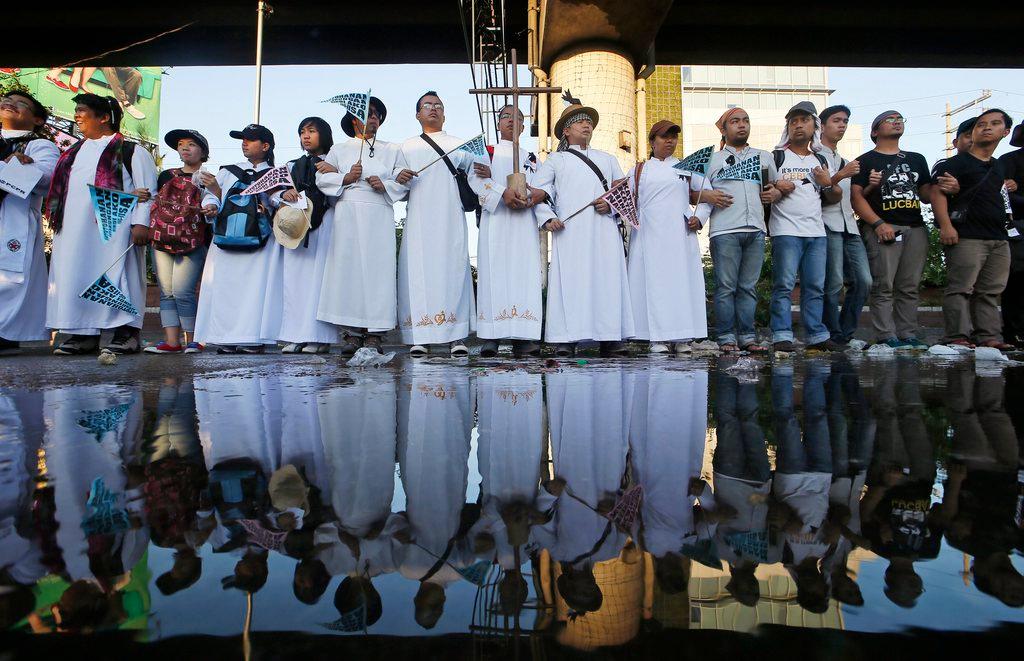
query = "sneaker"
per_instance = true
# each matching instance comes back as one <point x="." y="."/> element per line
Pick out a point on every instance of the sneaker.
<point x="914" y="343"/>
<point x="316" y="347"/>
<point x="827" y="345"/>
<point x="76" y="345"/>
<point x="613" y="348"/>
<point x="124" y="342"/>
<point x="683" y="347"/>
<point x="253" y="349"/>
<point x="522" y="348"/>
<point x="418" y="351"/>
<point x="785" y="346"/>
<point x="133" y="111"/>
<point x="458" y="349"/>
<point x="163" y="347"/>
<point x="194" y="347"/>
<point x="373" y="342"/>
<point x="658" y="347"/>
<point x="227" y="349"/>
<point x="350" y="344"/>
<point x="489" y="349"/>
<point x="896" y="343"/>
<point x="293" y="347"/>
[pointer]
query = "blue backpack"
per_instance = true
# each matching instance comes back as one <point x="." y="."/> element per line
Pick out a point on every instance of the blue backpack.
<point x="242" y="223"/>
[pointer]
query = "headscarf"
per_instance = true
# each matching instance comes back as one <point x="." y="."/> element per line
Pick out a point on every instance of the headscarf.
<point x="723" y="120"/>
<point x="815" y="145"/>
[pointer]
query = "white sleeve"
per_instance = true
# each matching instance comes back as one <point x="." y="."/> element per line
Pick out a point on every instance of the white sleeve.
<point x="144" y="175"/>
<point x="545" y="181"/>
<point x="331" y="183"/>
<point x="210" y="198"/>
<point x="44" y="155"/>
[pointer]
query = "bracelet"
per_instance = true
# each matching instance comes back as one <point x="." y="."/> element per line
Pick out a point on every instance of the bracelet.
<point x="878" y="222"/>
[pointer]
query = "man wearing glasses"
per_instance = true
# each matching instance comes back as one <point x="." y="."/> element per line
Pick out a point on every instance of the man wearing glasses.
<point x="887" y="196"/>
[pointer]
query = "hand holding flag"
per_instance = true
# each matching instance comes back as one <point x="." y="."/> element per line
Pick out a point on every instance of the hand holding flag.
<point x="475" y="146"/>
<point x="273" y="178"/>
<point x="356" y="103"/>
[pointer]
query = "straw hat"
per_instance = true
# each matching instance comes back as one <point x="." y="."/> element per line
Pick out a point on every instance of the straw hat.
<point x="572" y="110"/>
<point x="291" y="225"/>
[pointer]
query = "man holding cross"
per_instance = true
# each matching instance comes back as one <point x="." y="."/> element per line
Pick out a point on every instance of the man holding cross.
<point x="435" y="288"/>
<point x="588" y="292"/>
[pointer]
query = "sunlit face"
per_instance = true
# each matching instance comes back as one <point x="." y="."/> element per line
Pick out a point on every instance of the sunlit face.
<point x="431" y="112"/>
<point x="16" y="113"/>
<point x="309" y="138"/>
<point x="835" y="126"/>
<point x="990" y="127"/>
<point x="579" y="133"/>
<point x="665" y="144"/>
<point x="892" y="126"/>
<point x="190" y="151"/>
<point x="255" y="150"/>
<point x="800" y="127"/>
<point x="90" y="123"/>
<point x="506" y="121"/>
<point x="737" y="129"/>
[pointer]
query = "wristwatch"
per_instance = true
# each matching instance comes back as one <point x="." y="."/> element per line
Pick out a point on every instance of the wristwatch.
<point x="826" y="189"/>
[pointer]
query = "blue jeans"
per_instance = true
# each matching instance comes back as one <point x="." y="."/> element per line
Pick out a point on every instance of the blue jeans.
<point x="737" y="260"/>
<point x="811" y="450"/>
<point x="847" y="261"/>
<point x="177" y="276"/>
<point x="804" y="255"/>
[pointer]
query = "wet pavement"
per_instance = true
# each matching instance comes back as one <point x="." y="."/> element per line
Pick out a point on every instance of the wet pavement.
<point x="292" y="507"/>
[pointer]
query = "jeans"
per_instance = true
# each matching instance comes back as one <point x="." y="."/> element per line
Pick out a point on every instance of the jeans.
<point x="805" y="255"/>
<point x="177" y="276"/>
<point x="737" y="260"/>
<point x="847" y="260"/>
<point x="741" y="451"/>
<point x="811" y="450"/>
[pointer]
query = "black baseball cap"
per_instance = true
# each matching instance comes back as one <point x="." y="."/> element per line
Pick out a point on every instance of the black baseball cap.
<point x="173" y="137"/>
<point x="255" y="132"/>
<point x="966" y="126"/>
<point x="802" y="108"/>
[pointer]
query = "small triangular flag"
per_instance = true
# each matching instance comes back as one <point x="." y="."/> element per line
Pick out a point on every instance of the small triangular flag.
<point x="621" y="200"/>
<point x="626" y="508"/>
<point x="257" y="534"/>
<point x="477" y="572"/>
<point x="104" y="292"/>
<point x="753" y="544"/>
<point x="349" y="622"/>
<point x="697" y="161"/>
<point x="271" y="179"/>
<point x="111" y="208"/>
<point x="100" y="422"/>
<point x="103" y="518"/>
<point x="356" y="103"/>
<point x="475" y="146"/>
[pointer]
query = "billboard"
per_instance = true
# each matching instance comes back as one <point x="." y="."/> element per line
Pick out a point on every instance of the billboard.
<point x="137" y="89"/>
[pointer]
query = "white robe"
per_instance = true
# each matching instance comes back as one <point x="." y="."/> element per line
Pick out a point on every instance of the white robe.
<point x="666" y="277"/>
<point x="588" y="290"/>
<point x="22" y="262"/>
<point x="236" y="300"/>
<point x="508" y="257"/>
<point x="79" y="255"/>
<point x="236" y="414"/>
<point x="668" y="428"/>
<point x="359" y="287"/>
<point x="21" y="432"/>
<point x="435" y="287"/>
<point x="295" y="277"/>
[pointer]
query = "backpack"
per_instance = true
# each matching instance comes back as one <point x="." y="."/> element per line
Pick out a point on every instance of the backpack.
<point x="177" y="227"/>
<point x="238" y="489"/>
<point x="243" y="223"/>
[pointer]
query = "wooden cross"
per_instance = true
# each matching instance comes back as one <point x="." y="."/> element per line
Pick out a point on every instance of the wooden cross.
<point x="516" y="179"/>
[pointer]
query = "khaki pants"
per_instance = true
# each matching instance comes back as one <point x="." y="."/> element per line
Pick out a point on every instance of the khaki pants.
<point x="896" y="270"/>
<point x="977" y="272"/>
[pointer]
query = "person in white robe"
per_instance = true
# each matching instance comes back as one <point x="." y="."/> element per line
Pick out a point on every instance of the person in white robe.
<point x="588" y="290"/>
<point x="435" y="287"/>
<point x="359" y="287"/>
<point x="298" y="269"/>
<point x="435" y="421"/>
<point x="22" y="262"/>
<point x="666" y="276"/>
<point x="239" y="309"/>
<point x="508" y="254"/>
<point x="21" y="436"/>
<point x="79" y="254"/>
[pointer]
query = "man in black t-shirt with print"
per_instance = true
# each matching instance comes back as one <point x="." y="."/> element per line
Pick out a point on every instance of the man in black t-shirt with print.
<point x="887" y="196"/>
<point x="974" y="228"/>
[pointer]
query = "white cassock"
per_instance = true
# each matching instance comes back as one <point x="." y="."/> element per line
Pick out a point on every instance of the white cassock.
<point x="435" y="420"/>
<point x="79" y="255"/>
<point x="295" y="278"/>
<point x="237" y="301"/>
<point x="22" y="261"/>
<point x="668" y="427"/>
<point x="510" y="414"/>
<point x="588" y="290"/>
<point x="89" y="430"/>
<point x="21" y="434"/>
<point x="359" y="287"/>
<point x="301" y="439"/>
<point x="666" y="276"/>
<point x="589" y="419"/>
<point x="508" y="257"/>
<point x="225" y="433"/>
<point x="435" y="287"/>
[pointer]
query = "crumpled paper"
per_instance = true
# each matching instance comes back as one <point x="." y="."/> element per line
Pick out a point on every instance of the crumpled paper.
<point x="366" y="357"/>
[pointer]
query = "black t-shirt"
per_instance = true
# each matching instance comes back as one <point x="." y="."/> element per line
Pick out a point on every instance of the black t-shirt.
<point x="980" y="197"/>
<point x="896" y="199"/>
<point x="1013" y="167"/>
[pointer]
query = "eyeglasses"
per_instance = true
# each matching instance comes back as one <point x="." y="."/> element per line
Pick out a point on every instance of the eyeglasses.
<point x="431" y="106"/>
<point x="24" y="105"/>
<point x="895" y="120"/>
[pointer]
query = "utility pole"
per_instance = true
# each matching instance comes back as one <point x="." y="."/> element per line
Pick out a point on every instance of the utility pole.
<point x="262" y="9"/>
<point x="985" y="94"/>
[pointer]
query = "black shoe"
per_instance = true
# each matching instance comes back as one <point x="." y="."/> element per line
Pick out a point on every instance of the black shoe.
<point x="489" y="349"/>
<point x="77" y="345"/>
<point x="8" y="346"/>
<point x="827" y="345"/>
<point x="614" y="349"/>
<point x="522" y="348"/>
<point x="125" y="341"/>
<point x="372" y="342"/>
<point x="565" y="349"/>
<point x="227" y="349"/>
<point x="785" y="346"/>
<point x="251" y="348"/>
<point x="351" y="344"/>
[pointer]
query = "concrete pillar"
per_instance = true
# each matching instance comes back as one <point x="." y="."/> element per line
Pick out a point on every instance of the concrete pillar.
<point x="604" y="79"/>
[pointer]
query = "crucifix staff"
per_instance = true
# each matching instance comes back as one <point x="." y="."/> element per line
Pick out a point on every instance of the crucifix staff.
<point x="516" y="180"/>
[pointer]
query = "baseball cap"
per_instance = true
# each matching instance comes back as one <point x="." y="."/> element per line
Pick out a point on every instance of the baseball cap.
<point x="662" y="126"/>
<point x="173" y="137"/>
<point x="802" y="108"/>
<point x="254" y="132"/>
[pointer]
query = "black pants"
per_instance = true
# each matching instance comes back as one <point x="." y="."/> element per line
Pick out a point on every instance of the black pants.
<point x="1013" y="307"/>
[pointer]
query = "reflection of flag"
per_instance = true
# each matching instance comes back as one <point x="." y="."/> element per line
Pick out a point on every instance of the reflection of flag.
<point x="704" y="551"/>
<point x="626" y="508"/>
<point x="697" y="161"/>
<point x="747" y="170"/>
<point x="271" y="179"/>
<point x="100" y="422"/>
<point x="103" y="517"/>
<point x="621" y="200"/>
<point x="349" y="621"/>
<point x="356" y="103"/>
<point x="104" y="292"/>
<point x="111" y="208"/>
<point x="257" y="534"/>
<point x="477" y="572"/>
<point x="475" y="146"/>
<point x="753" y="544"/>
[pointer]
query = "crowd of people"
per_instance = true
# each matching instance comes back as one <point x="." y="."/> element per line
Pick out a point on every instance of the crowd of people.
<point x="312" y="478"/>
<point x="313" y="262"/>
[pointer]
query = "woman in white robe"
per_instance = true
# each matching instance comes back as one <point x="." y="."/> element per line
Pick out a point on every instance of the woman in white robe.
<point x="666" y="276"/>
<point x="22" y="262"/>
<point x="359" y="289"/>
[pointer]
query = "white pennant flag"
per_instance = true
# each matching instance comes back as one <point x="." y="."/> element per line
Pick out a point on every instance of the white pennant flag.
<point x="271" y="179"/>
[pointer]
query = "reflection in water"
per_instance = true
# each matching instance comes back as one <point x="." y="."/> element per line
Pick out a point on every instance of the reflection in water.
<point x="821" y="494"/>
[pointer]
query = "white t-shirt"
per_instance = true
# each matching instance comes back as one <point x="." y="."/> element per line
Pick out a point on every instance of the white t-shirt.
<point x="799" y="213"/>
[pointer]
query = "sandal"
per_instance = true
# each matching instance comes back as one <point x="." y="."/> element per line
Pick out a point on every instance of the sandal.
<point x="754" y="347"/>
<point x="960" y="343"/>
<point x="996" y="344"/>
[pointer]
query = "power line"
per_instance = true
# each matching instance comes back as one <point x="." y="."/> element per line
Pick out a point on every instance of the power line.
<point x="919" y="98"/>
